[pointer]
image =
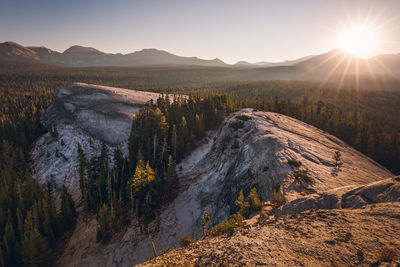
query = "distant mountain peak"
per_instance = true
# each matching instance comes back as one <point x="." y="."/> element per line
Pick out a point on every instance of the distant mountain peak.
<point x="150" y="50"/>
<point x="11" y="43"/>
<point x="13" y="50"/>
<point x="217" y="60"/>
<point x="242" y="62"/>
<point x="81" y="49"/>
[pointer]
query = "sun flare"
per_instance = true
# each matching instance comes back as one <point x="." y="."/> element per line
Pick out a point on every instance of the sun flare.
<point x="358" y="40"/>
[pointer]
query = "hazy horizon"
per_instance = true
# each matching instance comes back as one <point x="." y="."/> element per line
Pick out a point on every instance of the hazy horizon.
<point x="232" y="31"/>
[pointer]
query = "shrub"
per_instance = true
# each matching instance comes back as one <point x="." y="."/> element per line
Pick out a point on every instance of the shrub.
<point x="294" y="162"/>
<point x="250" y="204"/>
<point x="243" y="117"/>
<point x="262" y="217"/>
<point x="227" y="226"/>
<point x="277" y="199"/>
<point x="165" y="251"/>
<point x="186" y="240"/>
<point x="337" y="157"/>
<point x="301" y="176"/>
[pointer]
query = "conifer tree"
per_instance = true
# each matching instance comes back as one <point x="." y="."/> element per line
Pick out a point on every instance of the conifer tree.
<point x="2" y="262"/>
<point x="172" y="178"/>
<point x="68" y="212"/>
<point x="35" y="249"/>
<point x="174" y="140"/>
<point x="82" y="170"/>
<point x="205" y="221"/>
<point x="47" y="222"/>
<point x="253" y="200"/>
<point x="243" y="204"/>
<point x="337" y="157"/>
<point x="103" y="218"/>
<point x="277" y="199"/>
<point x="9" y="242"/>
<point x="20" y="223"/>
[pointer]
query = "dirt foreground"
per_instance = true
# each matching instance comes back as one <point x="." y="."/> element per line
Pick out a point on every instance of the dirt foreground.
<point x="339" y="237"/>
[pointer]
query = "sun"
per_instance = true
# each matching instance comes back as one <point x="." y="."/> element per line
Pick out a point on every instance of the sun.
<point x="358" y="40"/>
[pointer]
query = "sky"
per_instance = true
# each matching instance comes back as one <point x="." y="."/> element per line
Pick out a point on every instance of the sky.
<point x="231" y="30"/>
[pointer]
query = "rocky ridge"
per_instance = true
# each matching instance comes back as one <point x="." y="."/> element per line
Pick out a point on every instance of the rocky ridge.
<point x="338" y="237"/>
<point x="249" y="149"/>
<point x="348" y="197"/>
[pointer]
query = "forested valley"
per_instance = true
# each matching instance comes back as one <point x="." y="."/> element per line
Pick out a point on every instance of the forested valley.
<point x="162" y="134"/>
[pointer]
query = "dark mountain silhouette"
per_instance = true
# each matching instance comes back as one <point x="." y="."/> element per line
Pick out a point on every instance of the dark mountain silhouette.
<point x="88" y="56"/>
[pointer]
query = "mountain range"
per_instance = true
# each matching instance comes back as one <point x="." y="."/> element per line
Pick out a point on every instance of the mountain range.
<point x="337" y="67"/>
<point x="87" y="56"/>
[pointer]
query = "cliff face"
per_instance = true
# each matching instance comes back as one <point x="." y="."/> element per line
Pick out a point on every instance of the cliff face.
<point x="88" y="115"/>
<point x="249" y="149"/>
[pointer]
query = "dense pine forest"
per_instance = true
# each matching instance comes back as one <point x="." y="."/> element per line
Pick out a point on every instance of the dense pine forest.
<point x="162" y="134"/>
<point x="30" y="223"/>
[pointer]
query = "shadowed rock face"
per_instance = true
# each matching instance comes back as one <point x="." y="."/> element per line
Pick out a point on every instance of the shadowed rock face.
<point x="85" y="115"/>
